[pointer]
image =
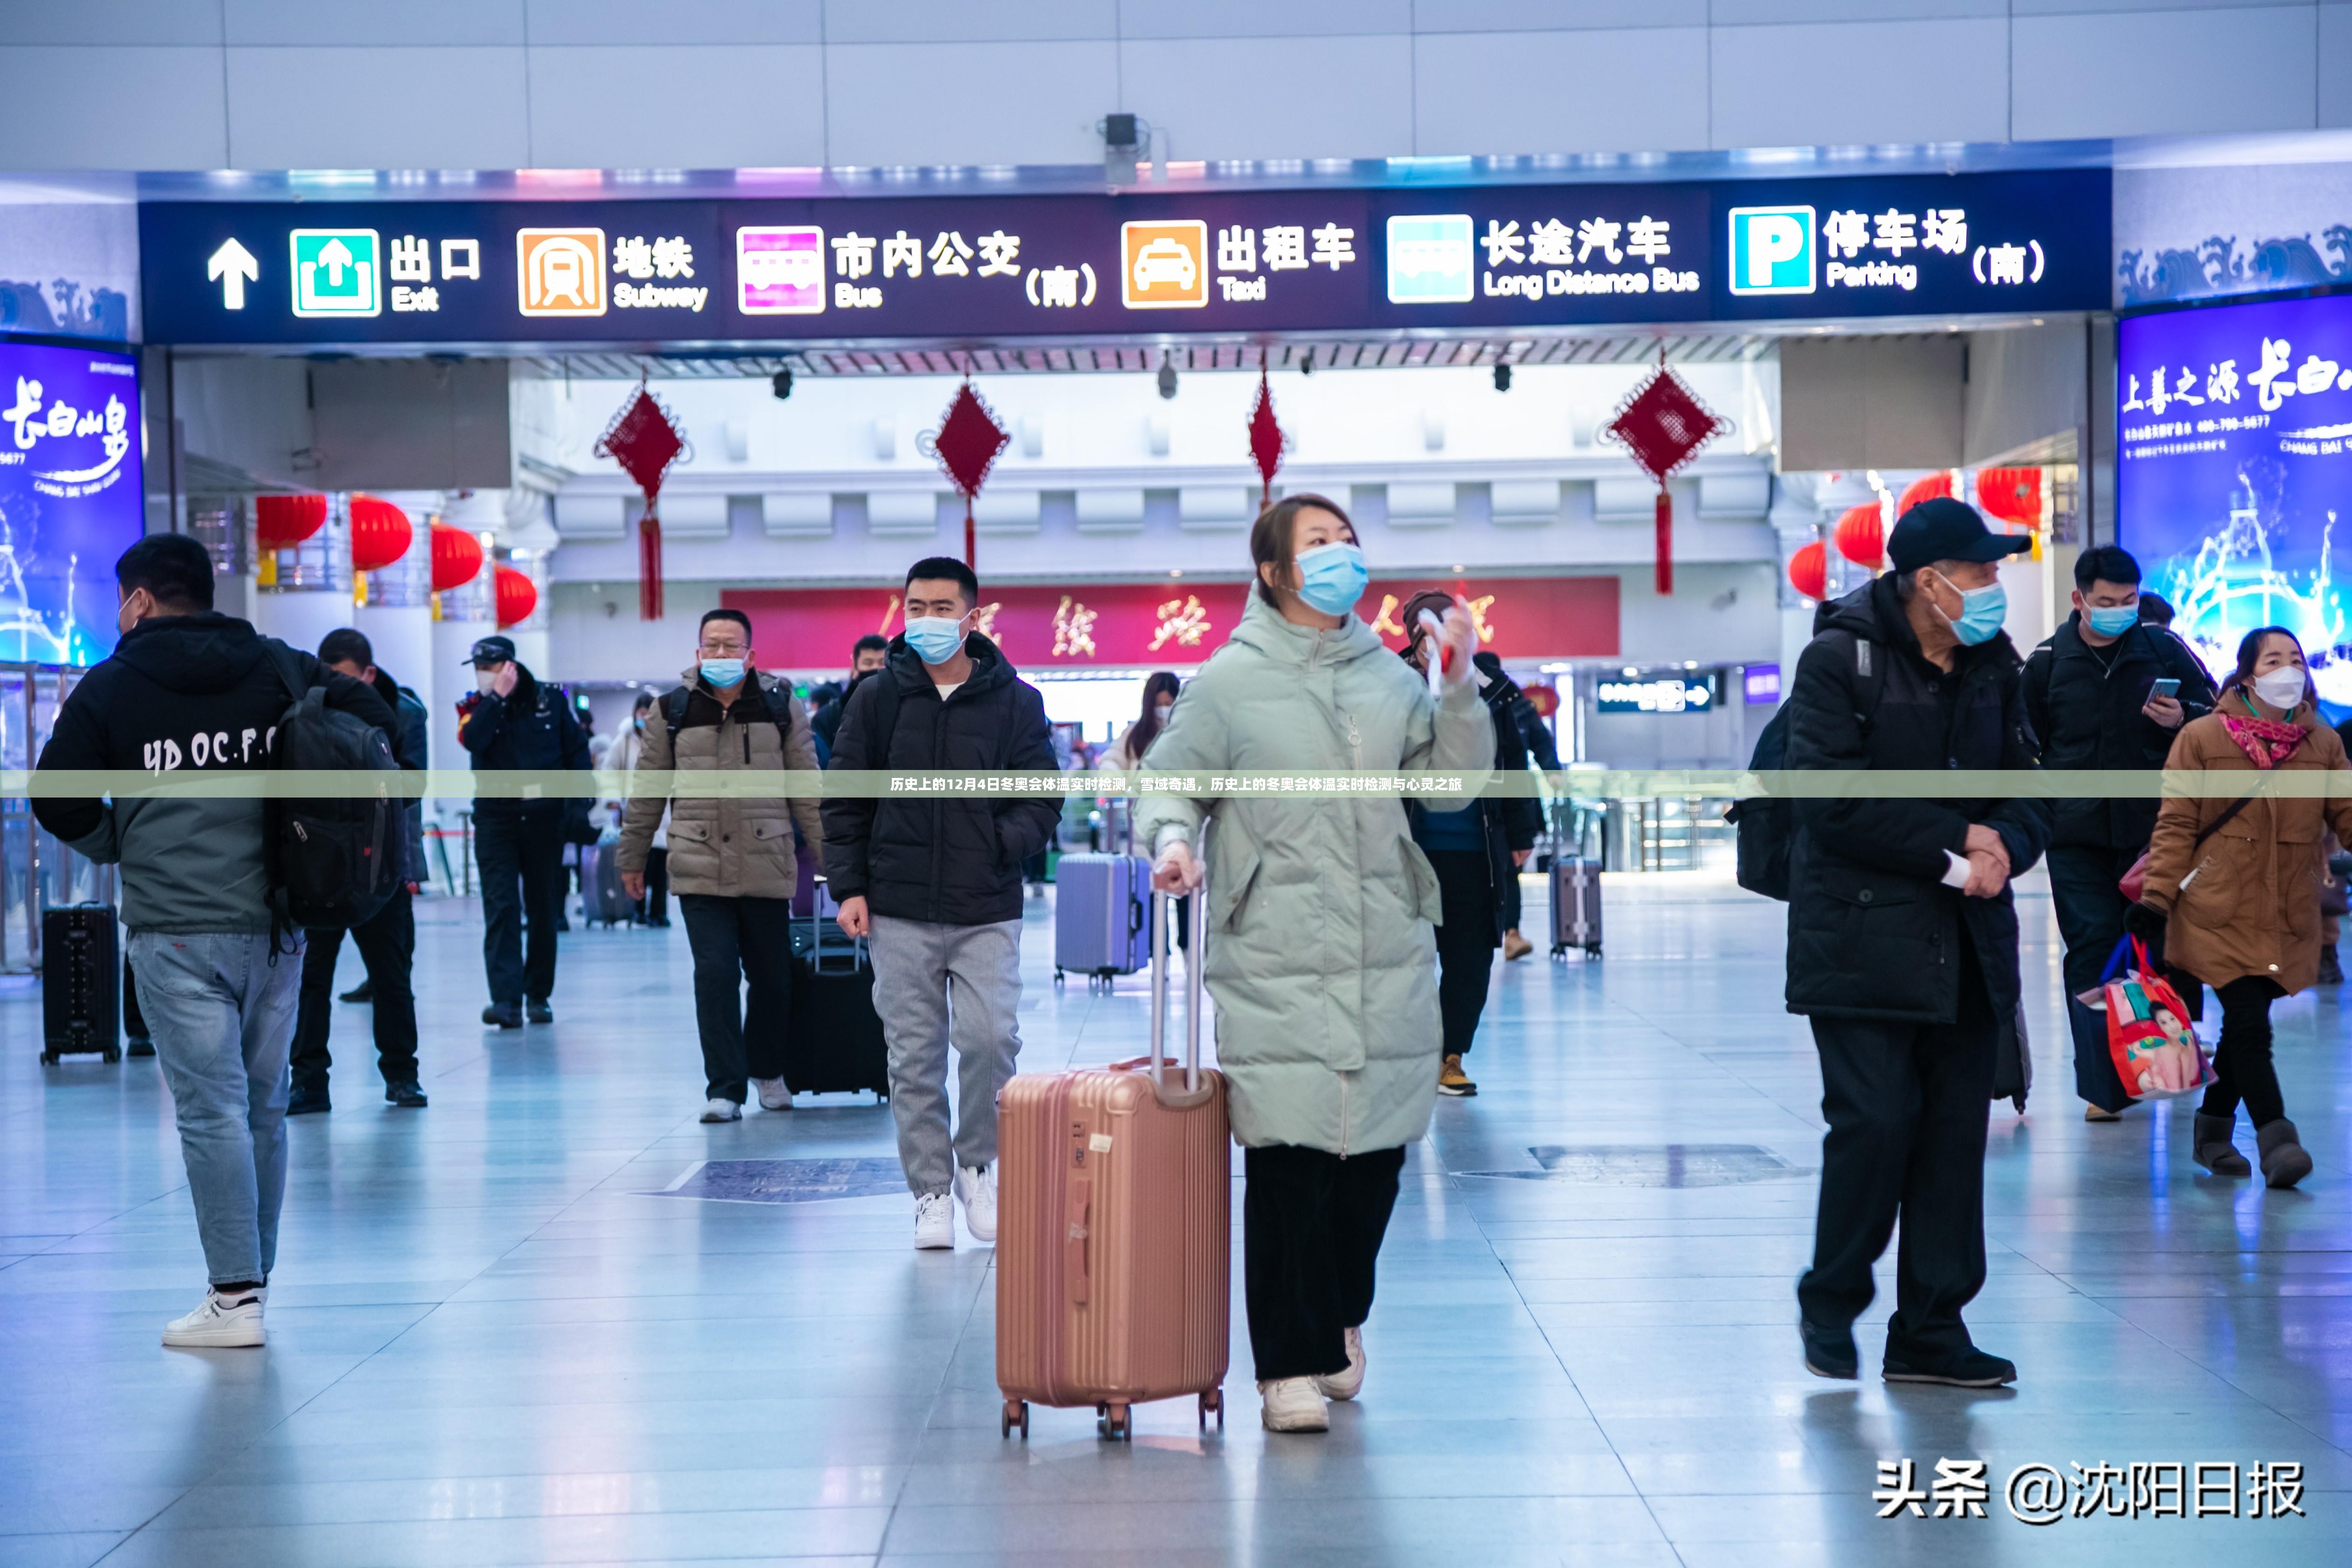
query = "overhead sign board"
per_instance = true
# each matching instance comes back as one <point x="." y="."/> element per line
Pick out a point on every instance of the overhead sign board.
<point x="1311" y="260"/>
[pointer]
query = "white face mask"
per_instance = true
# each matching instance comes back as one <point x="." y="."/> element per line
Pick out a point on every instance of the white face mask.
<point x="2282" y="687"/>
<point x="484" y="679"/>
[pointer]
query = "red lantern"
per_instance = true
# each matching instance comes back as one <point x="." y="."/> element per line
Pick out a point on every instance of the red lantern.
<point x="517" y="596"/>
<point x="380" y="533"/>
<point x="282" y="522"/>
<point x="1861" y="536"/>
<point x="2012" y="495"/>
<point x="1929" y="488"/>
<point x="456" y="558"/>
<point x="1544" y="698"/>
<point x="1808" y="569"/>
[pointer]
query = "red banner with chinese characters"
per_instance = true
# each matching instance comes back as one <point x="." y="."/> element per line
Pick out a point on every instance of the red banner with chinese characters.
<point x="1129" y="626"/>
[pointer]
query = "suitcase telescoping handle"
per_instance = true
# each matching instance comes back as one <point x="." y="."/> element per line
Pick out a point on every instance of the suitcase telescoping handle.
<point x="1195" y="960"/>
<point x="818" y="898"/>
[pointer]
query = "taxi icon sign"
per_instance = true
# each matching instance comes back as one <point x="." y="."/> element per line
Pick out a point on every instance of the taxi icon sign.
<point x="1165" y="266"/>
<point x="560" y="271"/>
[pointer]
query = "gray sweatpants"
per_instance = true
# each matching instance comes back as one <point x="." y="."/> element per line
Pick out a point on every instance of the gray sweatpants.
<point x="933" y="984"/>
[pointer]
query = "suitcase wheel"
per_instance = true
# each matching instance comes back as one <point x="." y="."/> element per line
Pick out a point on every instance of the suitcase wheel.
<point x="111" y="1053"/>
<point x="1212" y="1400"/>
<point x="48" y="1058"/>
<point x="1117" y="1423"/>
<point x="1057" y="975"/>
<point x="1016" y="1413"/>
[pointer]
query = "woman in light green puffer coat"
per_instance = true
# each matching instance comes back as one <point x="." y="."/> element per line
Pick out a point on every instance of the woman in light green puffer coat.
<point x="1320" y="956"/>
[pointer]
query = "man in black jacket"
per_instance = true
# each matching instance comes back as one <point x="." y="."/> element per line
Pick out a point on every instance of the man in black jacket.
<point x="386" y="940"/>
<point x="1903" y="937"/>
<point x="935" y="883"/>
<point x="2090" y="693"/>
<point x="1477" y="853"/>
<point x="188" y="691"/>
<point x="866" y="657"/>
<point x="513" y="719"/>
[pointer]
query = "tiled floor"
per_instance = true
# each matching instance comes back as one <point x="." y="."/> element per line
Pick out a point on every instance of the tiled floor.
<point x="495" y="1338"/>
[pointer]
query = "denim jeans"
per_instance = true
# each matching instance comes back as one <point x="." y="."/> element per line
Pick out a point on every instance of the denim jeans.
<point x="221" y="1013"/>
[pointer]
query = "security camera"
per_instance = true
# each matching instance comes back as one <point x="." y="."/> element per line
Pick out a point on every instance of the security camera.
<point x="780" y="383"/>
<point x="1167" y="378"/>
<point x="1502" y="378"/>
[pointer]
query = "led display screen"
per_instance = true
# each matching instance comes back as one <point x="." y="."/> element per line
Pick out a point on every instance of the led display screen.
<point x="2233" y="468"/>
<point x="71" y="498"/>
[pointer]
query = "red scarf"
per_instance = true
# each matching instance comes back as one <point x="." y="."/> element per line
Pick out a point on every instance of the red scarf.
<point x="2267" y="743"/>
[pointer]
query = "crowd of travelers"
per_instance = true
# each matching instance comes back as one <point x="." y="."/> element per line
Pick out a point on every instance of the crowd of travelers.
<point x="1352" y="940"/>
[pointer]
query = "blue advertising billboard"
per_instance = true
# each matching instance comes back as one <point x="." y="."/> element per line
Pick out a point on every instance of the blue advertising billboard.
<point x="70" y="497"/>
<point x="2232" y="466"/>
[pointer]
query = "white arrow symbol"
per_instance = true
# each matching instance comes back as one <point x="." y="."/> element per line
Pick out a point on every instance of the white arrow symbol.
<point x="334" y="256"/>
<point x="235" y="266"/>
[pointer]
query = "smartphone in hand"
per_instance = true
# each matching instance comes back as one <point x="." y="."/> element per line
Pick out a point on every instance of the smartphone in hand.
<point x="2168" y="686"/>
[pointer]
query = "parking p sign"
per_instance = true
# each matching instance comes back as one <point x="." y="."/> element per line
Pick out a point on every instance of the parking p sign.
<point x="1771" y="250"/>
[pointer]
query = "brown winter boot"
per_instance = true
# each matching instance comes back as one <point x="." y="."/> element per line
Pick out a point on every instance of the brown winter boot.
<point x="2283" y="1161"/>
<point x="2211" y="1146"/>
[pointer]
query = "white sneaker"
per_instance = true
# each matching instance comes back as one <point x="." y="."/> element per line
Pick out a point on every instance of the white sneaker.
<point x="721" y="1110"/>
<point x="1293" y="1404"/>
<point x="976" y="1186"/>
<point x="1344" y="1384"/>
<point x="220" y="1323"/>
<point x="775" y="1094"/>
<point x="934" y="1221"/>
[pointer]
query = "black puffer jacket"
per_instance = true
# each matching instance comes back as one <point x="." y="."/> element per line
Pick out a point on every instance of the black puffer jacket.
<point x="1872" y="930"/>
<point x="2086" y="711"/>
<point x="952" y="860"/>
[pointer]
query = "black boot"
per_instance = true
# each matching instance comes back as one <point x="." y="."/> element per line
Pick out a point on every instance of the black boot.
<point x="2283" y="1161"/>
<point x="2209" y="1145"/>
<point x="2331" y="969"/>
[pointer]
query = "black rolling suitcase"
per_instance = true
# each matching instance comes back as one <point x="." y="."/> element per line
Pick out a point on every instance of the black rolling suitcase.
<point x="81" y="982"/>
<point x="834" y="1042"/>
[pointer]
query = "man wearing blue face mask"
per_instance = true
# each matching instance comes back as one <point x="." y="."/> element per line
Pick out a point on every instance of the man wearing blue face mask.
<point x="934" y="884"/>
<point x="1903" y="937"/>
<point x="2107" y="691"/>
<point x="731" y="860"/>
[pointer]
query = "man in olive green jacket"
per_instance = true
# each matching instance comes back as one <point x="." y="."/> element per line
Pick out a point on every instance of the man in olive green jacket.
<point x="731" y="859"/>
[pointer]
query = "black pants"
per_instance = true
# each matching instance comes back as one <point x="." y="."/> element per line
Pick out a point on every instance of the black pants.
<point x="1512" y="911"/>
<point x="734" y="941"/>
<point x="134" y="1022"/>
<point x="653" y="908"/>
<point x="2090" y="909"/>
<point x="527" y="853"/>
<point x="1907" y="1105"/>
<point x="387" y="944"/>
<point x="2241" y="1060"/>
<point x="1311" y="1225"/>
<point x="1466" y="942"/>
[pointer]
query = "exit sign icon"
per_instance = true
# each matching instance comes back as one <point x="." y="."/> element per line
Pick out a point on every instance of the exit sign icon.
<point x="338" y="272"/>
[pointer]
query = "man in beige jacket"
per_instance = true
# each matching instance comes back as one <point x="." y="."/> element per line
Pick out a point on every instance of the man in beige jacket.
<point x="732" y="861"/>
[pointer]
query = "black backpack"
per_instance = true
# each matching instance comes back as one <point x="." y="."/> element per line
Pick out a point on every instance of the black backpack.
<point x="334" y="861"/>
<point x="1767" y="825"/>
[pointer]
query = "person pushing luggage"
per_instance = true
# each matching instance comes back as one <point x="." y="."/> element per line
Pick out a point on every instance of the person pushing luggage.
<point x="1319" y="952"/>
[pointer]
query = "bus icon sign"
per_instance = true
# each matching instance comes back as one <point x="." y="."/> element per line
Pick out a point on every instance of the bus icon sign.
<point x="1430" y="259"/>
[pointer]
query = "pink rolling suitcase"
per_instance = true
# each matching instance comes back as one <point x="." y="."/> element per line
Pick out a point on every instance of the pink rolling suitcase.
<point x="1115" y="1224"/>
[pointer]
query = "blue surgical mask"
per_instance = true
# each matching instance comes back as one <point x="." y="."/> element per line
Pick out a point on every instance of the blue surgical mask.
<point x="934" y="638"/>
<point x="1982" y="610"/>
<point x="1332" y="577"/>
<point x="2111" y="620"/>
<point x="722" y="672"/>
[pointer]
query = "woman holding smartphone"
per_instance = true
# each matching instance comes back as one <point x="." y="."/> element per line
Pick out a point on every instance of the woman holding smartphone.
<point x="1320" y="957"/>
<point x="2232" y="886"/>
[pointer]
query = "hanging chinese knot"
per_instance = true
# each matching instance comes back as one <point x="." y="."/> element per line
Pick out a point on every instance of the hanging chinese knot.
<point x="1662" y="426"/>
<point x="969" y="440"/>
<point x="1265" y="438"/>
<point x="645" y="439"/>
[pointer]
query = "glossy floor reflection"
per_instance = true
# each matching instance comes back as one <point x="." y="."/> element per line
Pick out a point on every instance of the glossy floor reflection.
<point x="498" y="1336"/>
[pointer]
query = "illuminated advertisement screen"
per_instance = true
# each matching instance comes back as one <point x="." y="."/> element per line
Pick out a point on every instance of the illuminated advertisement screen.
<point x="70" y="497"/>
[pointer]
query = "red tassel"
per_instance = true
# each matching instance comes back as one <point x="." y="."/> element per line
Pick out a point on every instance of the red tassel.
<point x="1666" y="542"/>
<point x="649" y="567"/>
<point x="970" y="542"/>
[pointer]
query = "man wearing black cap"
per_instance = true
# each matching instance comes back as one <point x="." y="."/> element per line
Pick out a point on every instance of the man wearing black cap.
<point x="514" y="721"/>
<point x="1902" y="939"/>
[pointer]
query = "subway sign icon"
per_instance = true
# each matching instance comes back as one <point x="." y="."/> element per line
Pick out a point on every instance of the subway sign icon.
<point x="1772" y="250"/>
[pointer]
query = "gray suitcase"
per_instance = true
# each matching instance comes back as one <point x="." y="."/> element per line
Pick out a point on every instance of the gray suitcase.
<point x="602" y="901"/>
<point x="1575" y="905"/>
<point x="1102" y="927"/>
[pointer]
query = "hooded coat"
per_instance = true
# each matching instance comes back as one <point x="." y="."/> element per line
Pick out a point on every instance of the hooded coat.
<point x="1321" y="955"/>
<point x="2246" y="899"/>
<point x="201" y="692"/>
